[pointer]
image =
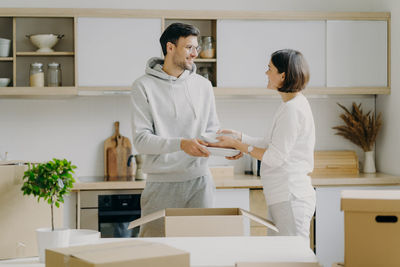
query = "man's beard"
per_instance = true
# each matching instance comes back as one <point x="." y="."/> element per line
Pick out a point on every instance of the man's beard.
<point x="182" y="64"/>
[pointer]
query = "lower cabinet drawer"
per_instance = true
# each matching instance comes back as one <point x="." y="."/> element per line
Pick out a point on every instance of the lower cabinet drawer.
<point x="89" y="219"/>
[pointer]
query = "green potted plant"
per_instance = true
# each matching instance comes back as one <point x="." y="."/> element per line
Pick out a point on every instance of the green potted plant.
<point x="50" y="181"/>
<point x="361" y="129"/>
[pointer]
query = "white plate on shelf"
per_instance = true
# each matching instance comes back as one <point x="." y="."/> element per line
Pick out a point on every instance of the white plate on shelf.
<point x="222" y="152"/>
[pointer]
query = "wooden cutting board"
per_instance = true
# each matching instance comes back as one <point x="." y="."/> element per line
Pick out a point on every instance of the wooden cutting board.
<point x="335" y="163"/>
<point x="117" y="150"/>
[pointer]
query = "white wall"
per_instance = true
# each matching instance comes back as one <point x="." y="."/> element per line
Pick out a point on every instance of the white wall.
<point x="388" y="145"/>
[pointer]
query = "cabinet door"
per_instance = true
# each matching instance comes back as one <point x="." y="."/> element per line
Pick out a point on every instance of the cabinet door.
<point x="114" y="51"/>
<point x="356" y="53"/>
<point x="234" y="198"/>
<point x="244" y="49"/>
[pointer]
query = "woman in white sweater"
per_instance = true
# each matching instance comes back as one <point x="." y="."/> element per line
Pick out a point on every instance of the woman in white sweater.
<point x="287" y="152"/>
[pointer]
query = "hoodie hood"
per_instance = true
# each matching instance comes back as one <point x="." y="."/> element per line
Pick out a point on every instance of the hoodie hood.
<point x="154" y="68"/>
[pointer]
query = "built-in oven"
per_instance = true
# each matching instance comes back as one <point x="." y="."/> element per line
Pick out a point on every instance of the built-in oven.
<point x="110" y="211"/>
<point x="115" y="213"/>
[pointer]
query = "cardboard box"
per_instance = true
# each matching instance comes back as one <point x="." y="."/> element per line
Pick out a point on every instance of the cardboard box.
<point x="126" y="253"/>
<point x="17" y="236"/>
<point x="372" y="227"/>
<point x="277" y="264"/>
<point x="203" y="222"/>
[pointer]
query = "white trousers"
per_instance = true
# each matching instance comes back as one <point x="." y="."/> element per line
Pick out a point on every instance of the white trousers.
<point x="292" y="217"/>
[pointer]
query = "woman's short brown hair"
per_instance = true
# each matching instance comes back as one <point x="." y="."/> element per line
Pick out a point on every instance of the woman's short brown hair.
<point x="295" y="67"/>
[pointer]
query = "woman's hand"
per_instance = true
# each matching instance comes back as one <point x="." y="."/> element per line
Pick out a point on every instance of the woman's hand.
<point x="228" y="142"/>
<point x="225" y="142"/>
<point x="235" y="134"/>
<point x="238" y="156"/>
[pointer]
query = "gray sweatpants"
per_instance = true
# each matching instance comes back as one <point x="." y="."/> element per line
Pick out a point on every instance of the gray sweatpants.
<point x="196" y="193"/>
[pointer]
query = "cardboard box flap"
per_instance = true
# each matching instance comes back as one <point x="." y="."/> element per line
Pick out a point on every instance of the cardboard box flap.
<point x="176" y="212"/>
<point x="371" y="200"/>
<point x="126" y="252"/>
<point x="277" y="264"/>
<point x="202" y="212"/>
<point x="151" y="217"/>
<point x="259" y="219"/>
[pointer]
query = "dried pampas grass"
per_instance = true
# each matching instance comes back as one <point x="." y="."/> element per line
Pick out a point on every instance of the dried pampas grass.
<point x="360" y="129"/>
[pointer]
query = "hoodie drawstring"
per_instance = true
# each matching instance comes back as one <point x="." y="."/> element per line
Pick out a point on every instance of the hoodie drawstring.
<point x="172" y="93"/>
<point x="189" y="98"/>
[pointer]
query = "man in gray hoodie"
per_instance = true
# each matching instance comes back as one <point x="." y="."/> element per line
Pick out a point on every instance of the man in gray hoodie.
<point x="172" y="107"/>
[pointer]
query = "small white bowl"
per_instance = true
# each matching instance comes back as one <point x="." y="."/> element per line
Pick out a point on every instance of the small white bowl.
<point x="223" y="152"/>
<point x="45" y="41"/>
<point x="210" y="137"/>
<point x="5" y="41"/>
<point x="4" y="82"/>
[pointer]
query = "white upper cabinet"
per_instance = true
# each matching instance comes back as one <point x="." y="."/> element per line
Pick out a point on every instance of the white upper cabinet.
<point x="114" y="51"/>
<point x="244" y="49"/>
<point x="356" y="53"/>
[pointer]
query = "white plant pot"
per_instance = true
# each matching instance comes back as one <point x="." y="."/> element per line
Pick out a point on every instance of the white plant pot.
<point x="83" y="236"/>
<point x="51" y="239"/>
<point x="369" y="162"/>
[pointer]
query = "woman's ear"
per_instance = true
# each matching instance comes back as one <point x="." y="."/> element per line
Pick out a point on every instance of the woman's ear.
<point x="283" y="75"/>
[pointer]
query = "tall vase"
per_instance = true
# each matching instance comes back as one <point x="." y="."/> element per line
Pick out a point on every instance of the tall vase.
<point x="369" y="162"/>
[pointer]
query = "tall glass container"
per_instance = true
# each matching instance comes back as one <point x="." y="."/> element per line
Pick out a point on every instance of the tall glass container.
<point x="207" y="47"/>
<point x="53" y="74"/>
<point x="36" y="75"/>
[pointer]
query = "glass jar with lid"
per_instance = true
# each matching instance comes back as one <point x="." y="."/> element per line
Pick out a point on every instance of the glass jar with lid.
<point x="205" y="72"/>
<point x="207" y="47"/>
<point x="53" y="74"/>
<point x="36" y="75"/>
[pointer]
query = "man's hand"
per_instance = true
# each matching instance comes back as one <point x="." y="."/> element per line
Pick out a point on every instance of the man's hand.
<point x="195" y="147"/>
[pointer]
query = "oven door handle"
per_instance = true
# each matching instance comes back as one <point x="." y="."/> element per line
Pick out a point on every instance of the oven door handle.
<point x="118" y="212"/>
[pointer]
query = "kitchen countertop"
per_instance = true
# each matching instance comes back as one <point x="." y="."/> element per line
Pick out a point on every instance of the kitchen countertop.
<point x="221" y="251"/>
<point x="246" y="181"/>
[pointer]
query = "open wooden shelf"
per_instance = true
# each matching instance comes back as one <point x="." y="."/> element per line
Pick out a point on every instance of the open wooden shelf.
<point x="218" y="91"/>
<point x="38" y="91"/>
<point x="38" y="54"/>
<point x="205" y="60"/>
<point x="6" y="59"/>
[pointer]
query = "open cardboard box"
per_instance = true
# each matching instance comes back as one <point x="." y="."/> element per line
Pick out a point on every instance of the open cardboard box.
<point x="277" y="264"/>
<point x="125" y="253"/>
<point x="203" y="221"/>
<point x="372" y="227"/>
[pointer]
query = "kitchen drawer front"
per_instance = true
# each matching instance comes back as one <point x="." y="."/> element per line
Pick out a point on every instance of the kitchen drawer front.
<point x="89" y="199"/>
<point x="89" y="219"/>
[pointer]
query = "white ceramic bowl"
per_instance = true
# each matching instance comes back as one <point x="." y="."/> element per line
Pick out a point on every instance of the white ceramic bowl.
<point x="4" y="82"/>
<point x="5" y="41"/>
<point x="222" y="152"/>
<point x="210" y="137"/>
<point x="45" y="42"/>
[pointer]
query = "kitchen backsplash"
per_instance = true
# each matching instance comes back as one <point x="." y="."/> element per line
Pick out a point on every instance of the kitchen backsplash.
<point x="75" y="128"/>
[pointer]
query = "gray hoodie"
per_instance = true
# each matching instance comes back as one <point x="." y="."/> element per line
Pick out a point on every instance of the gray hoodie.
<point x="166" y="109"/>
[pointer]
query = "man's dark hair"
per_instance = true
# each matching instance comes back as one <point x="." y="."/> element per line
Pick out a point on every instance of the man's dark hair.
<point x="174" y="31"/>
<point x="295" y="67"/>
